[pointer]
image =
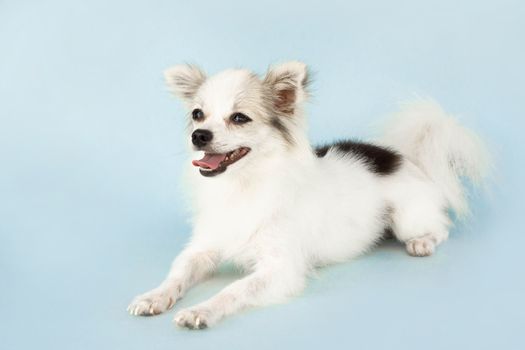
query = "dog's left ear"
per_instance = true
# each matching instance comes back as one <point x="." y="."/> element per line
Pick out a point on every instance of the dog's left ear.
<point x="184" y="80"/>
<point x="287" y="84"/>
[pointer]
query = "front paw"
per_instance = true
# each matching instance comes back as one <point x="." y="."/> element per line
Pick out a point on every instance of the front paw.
<point x="195" y="318"/>
<point x="151" y="303"/>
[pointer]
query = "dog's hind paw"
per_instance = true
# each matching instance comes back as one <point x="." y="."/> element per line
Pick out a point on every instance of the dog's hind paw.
<point x="151" y="303"/>
<point x="421" y="246"/>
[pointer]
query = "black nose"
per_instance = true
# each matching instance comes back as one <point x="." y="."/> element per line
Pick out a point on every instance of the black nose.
<point x="201" y="137"/>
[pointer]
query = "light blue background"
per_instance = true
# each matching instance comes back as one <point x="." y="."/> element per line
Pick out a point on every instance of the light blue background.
<point x="91" y="150"/>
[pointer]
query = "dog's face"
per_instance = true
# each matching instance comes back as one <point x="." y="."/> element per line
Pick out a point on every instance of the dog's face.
<point x="236" y="118"/>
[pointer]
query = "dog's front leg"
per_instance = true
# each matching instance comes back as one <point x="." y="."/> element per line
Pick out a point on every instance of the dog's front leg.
<point x="191" y="266"/>
<point x="261" y="287"/>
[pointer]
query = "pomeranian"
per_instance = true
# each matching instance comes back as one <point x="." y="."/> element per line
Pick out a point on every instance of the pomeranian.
<point x="266" y="200"/>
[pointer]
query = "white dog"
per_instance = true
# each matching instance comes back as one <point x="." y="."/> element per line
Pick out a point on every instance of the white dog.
<point x="267" y="201"/>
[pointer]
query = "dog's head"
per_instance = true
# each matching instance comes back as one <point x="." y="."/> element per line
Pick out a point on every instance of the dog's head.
<point x="235" y="116"/>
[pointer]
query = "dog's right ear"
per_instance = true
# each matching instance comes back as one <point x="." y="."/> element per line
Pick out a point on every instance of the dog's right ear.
<point x="184" y="80"/>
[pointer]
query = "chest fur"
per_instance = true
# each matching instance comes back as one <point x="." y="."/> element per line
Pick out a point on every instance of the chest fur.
<point x="230" y="219"/>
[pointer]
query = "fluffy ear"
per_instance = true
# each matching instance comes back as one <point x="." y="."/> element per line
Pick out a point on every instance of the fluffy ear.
<point x="288" y="84"/>
<point x="184" y="80"/>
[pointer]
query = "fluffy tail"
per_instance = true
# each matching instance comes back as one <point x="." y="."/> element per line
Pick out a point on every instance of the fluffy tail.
<point x="441" y="147"/>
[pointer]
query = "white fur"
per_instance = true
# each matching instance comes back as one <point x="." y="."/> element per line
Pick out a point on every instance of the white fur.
<point x="441" y="147"/>
<point x="282" y="211"/>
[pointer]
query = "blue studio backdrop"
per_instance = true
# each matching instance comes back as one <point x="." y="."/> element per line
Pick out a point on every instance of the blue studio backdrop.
<point x="92" y="148"/>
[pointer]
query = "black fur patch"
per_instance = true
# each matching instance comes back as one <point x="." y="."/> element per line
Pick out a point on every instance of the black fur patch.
<point x="380" y="160"/>
<point x="278" y="124"/>
<point x="321" y="151"/>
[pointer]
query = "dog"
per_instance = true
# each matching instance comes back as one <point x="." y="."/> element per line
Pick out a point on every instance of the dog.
<point x="266" y="200"/>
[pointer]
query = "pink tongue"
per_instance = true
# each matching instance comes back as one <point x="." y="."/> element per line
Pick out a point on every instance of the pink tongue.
<point x="210" y="161"/>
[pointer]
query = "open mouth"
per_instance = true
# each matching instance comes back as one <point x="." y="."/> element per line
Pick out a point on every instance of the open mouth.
<point x="215" y="163"/>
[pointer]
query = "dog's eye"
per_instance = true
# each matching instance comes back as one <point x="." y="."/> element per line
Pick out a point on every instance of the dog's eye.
<point x="197" y="114"/>
<point x="239" y="118"/>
